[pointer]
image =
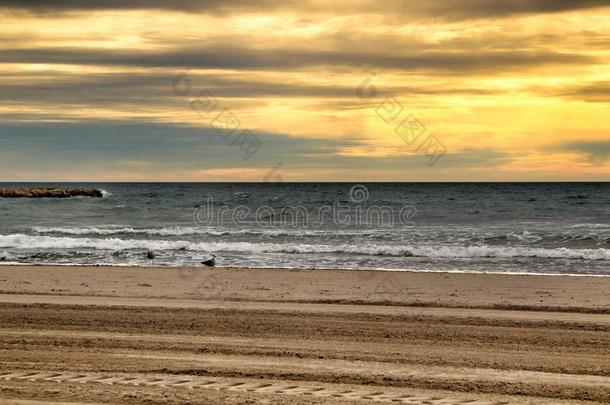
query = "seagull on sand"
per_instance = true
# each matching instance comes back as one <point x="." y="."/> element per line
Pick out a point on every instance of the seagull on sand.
<point x="210" y="262"/>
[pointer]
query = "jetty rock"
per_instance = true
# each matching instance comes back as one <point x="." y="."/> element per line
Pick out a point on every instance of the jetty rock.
<point x="41" y="192"/>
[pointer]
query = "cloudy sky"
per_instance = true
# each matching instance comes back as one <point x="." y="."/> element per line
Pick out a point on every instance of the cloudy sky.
<point x="236" y="90"/>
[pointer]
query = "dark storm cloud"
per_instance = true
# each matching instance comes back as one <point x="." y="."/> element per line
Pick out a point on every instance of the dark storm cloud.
<point x="74" y="145"/>
<point x="598" y="92"/>
<point x="465" y="9"/>
<point x="155" y="89"/>
<point x="444" y="9"/>
<point x="273" y="59"/>
<point x="93" y="144"/>
<point x="213" y="6"/>
<point x="598" y="151"/>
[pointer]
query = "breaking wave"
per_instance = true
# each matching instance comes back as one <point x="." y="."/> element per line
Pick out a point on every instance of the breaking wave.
<point x="183" y="231"/>
<point x="576" y="239"/>
<point x="22" y="241"/>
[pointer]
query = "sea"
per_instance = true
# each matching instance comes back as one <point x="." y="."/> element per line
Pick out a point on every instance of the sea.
<point x="522" y="228"/>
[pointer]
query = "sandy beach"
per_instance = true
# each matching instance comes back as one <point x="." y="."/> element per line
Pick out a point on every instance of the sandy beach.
<point x="239" y="336"/>
<point x="305" y="202"/>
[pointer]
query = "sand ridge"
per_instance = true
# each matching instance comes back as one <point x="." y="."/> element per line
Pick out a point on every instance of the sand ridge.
<point x="174" y="347"/>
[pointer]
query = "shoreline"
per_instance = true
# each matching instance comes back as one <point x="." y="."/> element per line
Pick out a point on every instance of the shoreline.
<point x="558" y="293"/>
<point x="138" y="266"/>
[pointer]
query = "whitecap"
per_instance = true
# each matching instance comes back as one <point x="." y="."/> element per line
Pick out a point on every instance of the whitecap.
<point x="50" y="242"/>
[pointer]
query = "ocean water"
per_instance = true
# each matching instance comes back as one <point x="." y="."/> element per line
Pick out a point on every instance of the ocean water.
<point x="551" y="228"/>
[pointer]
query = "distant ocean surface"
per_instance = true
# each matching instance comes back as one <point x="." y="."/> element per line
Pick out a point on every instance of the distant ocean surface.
<point x="551" y="228"/>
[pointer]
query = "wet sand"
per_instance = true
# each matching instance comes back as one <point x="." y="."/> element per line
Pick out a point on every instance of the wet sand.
<point x="237" y="336"/>
<point x="535" y="292"/>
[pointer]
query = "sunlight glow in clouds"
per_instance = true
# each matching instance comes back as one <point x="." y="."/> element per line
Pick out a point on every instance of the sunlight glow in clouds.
<point x="514" y="90"/>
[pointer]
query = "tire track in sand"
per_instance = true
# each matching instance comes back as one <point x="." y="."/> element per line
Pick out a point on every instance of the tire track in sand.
<point x="189" y="382"/>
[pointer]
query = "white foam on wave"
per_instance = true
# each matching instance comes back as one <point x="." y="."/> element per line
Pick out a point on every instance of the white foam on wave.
<point x="50" y="242"/>
<point x="177" y="231"/>
<point x="185" y="230"/>
<point x="524" y="237"/>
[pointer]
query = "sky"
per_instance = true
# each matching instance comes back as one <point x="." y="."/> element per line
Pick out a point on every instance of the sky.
<point x="236" y="90"/>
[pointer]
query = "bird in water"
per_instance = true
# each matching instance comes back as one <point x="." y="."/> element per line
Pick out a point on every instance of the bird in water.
<point x="210" y="262"/>
<point x="150" y="255"/>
